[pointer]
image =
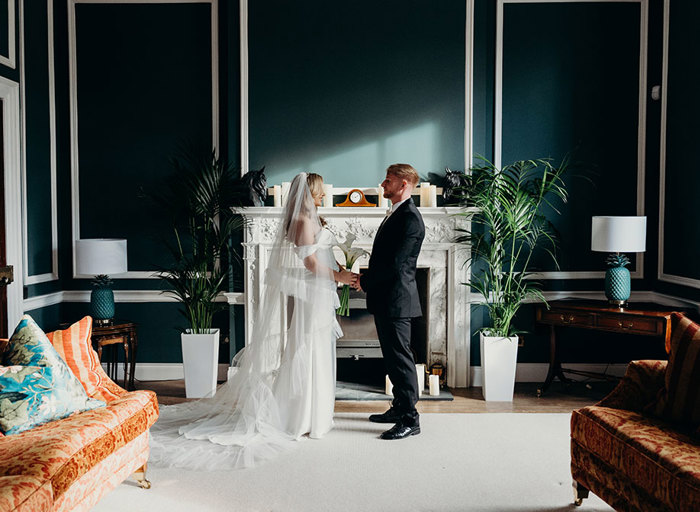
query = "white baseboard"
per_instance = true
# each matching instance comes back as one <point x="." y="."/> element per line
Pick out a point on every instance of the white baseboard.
<point x="537" y="372"/>
<point x="162" y="371"/>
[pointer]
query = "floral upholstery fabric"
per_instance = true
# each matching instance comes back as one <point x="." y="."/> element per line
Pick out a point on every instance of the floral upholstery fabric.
<point x="20" y="493"/>
<point x="63" y="451"/>
<point x="679" y="400"/>
<point x="74" y="345"/>
<point x="104" y="476"/>
<point x="633" y="461"/>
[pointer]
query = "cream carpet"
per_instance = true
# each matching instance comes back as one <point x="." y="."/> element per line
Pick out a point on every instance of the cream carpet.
<point x="460" y="462"/>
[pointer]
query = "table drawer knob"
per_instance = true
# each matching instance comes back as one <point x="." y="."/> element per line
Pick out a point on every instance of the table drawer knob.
<point x="565" y="319"/>
<point x="624" y="325"/>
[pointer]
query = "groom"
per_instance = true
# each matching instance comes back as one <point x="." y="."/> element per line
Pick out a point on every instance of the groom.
<point x="392" y="297"/>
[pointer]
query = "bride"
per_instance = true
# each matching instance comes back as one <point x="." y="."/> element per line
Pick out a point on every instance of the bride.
<point x="284" y="384"/>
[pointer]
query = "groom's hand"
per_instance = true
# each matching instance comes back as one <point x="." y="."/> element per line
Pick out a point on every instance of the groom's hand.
<point x="356" y="282"/>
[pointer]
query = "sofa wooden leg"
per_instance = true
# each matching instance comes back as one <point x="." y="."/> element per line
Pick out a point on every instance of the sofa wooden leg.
<point x="140" y="477"/>
<point x="580" y="493"/>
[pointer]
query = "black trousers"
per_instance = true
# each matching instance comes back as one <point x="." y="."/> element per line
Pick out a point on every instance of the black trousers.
<point x="395" y="340"/>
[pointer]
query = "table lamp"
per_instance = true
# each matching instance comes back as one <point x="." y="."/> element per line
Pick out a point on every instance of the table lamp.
<point x="101" y="257"/>
<point x="618" y="235"/>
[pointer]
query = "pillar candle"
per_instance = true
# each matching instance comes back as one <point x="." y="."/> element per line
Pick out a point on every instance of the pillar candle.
<point x="381" y="200"/>
<point x="277" y="195"/>
<point x="433" y="196"/>
<point x="285" y="191"/>
<point x="420" y="373"/>
<point x="328" y="198"/>
<point x="388" y="386"/>
<point x="424" y="193"/>
<point x="434" y="383"/>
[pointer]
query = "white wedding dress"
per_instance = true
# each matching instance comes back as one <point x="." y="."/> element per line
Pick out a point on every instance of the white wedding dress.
<point x="284" y="386"/>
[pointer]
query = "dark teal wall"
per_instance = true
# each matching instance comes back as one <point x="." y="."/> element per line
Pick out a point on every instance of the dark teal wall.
<point x="343" y="93"/>
<point x="38" y="140"/>
<point x="345" y="89"/>
<point x="681" y="244"/>
<point x="143" y="93"/>
<point x="570" y="83"/>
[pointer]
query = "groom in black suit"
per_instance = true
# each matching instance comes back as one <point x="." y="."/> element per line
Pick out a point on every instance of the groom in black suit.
<point x="392" y="296"/>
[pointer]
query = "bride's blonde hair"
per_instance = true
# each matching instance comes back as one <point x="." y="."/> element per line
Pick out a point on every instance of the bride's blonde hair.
<point x="315" y="183"/>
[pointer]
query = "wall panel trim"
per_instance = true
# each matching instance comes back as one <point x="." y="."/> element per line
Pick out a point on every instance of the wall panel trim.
<point x="9" y="94"/>
<point x="73" y="90"/>
<point x="661" y="275"/>
<point x="53" y="275"/>
<point x="9" y="60"/>
<point x="641" y="131"/>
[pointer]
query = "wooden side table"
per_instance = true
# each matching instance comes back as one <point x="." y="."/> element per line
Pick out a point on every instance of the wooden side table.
<point x="120" y="333"/>
<point x="641" y="319"/>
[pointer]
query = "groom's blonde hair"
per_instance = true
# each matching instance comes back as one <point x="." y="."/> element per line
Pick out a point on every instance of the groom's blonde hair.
<point x="404" y="172"/>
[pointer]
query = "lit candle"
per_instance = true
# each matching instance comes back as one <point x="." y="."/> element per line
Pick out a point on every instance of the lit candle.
<point x="420" y="373"/>
<point x="381" y="200"/>
<point x="433" y="196"/>
<point x="424" y="194"/>
<point x="328" y="197"/>
<point x="277" y="194"/>
<point x="434" y="383"/>
<point x="388" y="386"/>
<point x="285" y="191"/>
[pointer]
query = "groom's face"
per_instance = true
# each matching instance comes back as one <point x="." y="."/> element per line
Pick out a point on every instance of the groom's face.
<point x="393" y="187"/>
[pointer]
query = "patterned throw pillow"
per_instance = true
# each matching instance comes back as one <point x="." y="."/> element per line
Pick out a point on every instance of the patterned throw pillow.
<point x="679" y="400"/>
<point x="49" y="394"/>
<point x="74" y="346"/>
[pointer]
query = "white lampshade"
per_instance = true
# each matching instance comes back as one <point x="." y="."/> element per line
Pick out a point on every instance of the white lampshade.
<point x="96" y="256"/>
<point x="619" y="234"/>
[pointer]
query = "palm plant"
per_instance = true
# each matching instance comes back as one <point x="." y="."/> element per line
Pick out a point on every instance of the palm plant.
<point x="199" y="197"/>
<point x="505" y="207"/>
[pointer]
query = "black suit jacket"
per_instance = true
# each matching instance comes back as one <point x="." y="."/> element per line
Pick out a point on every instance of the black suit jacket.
<point x="390" y="279"/>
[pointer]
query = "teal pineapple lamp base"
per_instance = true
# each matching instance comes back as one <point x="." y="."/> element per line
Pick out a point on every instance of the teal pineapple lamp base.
<point x="102" y="301"/>
<point x="617" y="281"/>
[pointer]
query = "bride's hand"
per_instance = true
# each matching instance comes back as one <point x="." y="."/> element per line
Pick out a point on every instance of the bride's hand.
<point x="344" y="276"/>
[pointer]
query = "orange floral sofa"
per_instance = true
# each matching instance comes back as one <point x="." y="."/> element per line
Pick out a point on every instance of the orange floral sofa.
<point x="69" y="464"/>
<point x="629" y="458"/>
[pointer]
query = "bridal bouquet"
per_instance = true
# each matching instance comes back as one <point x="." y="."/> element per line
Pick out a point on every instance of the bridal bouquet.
<point x="352" y="254"/>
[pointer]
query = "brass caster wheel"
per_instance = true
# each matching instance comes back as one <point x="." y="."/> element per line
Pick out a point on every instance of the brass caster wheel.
<point x="578" y="502"/>
<point x="145" y="484"/>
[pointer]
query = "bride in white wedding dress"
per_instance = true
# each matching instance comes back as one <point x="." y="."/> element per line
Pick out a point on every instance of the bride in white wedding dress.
<point x="284" y="386"/>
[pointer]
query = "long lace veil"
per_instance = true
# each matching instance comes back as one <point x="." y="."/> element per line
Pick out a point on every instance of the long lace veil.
<point x="247" y="420"/>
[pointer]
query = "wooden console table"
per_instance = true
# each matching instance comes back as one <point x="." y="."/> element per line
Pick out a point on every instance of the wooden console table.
<point x="120" y="333"/>
<point x="641" y="319"/>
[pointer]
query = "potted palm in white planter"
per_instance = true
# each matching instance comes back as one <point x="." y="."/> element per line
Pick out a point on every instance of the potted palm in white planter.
<point x="199" y="196"/>
<point x="505" y="207"/>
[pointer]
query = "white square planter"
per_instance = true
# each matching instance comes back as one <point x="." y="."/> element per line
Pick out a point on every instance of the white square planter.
<point x="200" y="357"/>
<point x="498" y="362"/>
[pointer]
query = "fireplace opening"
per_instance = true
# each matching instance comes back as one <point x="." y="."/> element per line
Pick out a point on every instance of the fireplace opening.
<point x="359" y="356"/>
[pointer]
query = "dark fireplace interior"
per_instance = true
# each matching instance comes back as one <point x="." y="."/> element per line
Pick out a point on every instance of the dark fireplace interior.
<point x="358" y="354"/>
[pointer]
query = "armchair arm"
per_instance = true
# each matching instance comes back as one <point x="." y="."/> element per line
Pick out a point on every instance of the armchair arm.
<point x="638" y="388"/>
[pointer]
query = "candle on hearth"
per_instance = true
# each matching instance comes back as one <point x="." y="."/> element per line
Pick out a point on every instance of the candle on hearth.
<point x="433" y="196"/>
<point x="328" y="197"/>
<point x="285" y="191"/>
<point x="277" y="195"/>
<point x="434" y="383"/>
<point x="420" y="373"/>
<point x="424" y="194"/>
<point x="388" y="386"/>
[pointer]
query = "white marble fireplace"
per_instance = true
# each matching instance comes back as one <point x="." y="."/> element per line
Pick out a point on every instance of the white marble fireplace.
<point x="448" y="306"/>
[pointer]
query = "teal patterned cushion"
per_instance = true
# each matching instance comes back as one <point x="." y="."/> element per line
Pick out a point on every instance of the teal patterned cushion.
<point x="36" y="385"/>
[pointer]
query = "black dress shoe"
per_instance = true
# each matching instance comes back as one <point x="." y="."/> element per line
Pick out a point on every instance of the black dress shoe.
<point x="390" y="416"/>
<point x="401" y="431"/>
